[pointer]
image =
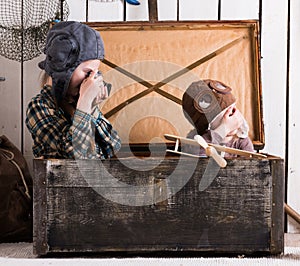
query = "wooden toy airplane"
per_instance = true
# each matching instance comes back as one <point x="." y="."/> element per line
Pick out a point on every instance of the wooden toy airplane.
<point x="210" y="149"/>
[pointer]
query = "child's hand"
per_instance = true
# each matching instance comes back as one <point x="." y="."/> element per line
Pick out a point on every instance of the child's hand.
<point x="101" y="96"/>
<point x="92" y="91"/>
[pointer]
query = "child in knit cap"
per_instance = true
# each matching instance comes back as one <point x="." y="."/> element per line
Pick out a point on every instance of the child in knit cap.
<point x="211" y="108"/>
<point x="64" y="118"/>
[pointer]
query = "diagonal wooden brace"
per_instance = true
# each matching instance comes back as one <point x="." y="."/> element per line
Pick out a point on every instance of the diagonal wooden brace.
<point x="142" y="82"/>
<point x="166" y="80"/>
<point x="291" y="212"/>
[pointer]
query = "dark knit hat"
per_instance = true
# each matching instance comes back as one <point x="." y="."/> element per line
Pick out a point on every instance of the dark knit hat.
<point x="68" y="44"/>
<point x="204" y="100"/>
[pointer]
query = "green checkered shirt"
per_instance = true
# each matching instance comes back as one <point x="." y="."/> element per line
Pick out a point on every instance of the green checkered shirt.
<point x="87" y="136"/>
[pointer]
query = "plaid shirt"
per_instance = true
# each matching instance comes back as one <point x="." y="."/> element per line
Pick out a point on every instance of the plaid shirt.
<point x="88" y="136"/>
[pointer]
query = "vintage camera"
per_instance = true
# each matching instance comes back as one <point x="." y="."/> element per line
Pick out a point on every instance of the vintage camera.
<point x="106" y="84"/>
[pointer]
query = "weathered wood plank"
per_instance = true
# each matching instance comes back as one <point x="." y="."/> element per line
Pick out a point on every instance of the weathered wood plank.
<point x="152" y="9"/>
<point x="149" y="211"/>
<point x="277" y="226"/>
<point x="39" y="208"/>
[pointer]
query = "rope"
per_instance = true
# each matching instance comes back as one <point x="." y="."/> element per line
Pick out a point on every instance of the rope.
<point x="10" y="157"/>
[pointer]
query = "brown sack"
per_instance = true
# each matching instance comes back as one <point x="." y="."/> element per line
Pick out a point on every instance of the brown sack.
<point x="15" y="194"/>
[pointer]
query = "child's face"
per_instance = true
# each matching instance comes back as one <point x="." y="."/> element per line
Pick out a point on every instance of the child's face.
<point x="80" y="73"/>
<point x="219" y="119"/>
<point x="233" y="132"/>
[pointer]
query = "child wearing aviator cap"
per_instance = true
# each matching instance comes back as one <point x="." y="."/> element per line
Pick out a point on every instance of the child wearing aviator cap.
<point x="211" y="108"/>
<point x="64" y="118"/>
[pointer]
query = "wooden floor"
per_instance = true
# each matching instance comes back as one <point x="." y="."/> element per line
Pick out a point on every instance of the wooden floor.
<point x="16" y="254"/>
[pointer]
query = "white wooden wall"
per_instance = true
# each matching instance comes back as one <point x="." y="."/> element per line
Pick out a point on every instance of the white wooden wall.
<point x="280" y="66"/>
<point x="293" y="155"/>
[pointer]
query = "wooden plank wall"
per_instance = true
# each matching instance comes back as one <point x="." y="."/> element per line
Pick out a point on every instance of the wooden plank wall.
<point x="280" y="65"/>
<point x="293" y="130"/>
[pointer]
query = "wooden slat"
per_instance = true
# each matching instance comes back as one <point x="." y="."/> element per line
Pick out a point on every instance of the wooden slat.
<point x="167" y="10"/>
<point x="198" y="10"/>
<point x="236" y="9"/>
<point x="274" y="69"/>
<point x="277" y="225"/>
<point x="152" y="8"/>
<point x="11" y="121"/>
<point x="293" y="166"/>
<point x="40" y="199"/>
<point x="234" y="214"/>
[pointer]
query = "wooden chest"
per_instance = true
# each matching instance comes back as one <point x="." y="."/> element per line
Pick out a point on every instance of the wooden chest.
<point x="92" y="206"/>
<point x="146" y="200"/>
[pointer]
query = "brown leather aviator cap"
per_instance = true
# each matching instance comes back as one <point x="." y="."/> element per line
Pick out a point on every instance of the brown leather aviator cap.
<point x="204" y="100"/>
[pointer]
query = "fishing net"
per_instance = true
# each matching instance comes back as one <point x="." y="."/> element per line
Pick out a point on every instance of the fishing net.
<point x="24" y="25"/>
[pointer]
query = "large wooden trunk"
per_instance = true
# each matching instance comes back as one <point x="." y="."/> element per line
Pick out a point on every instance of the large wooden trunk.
<point x="154" y="202"/>
<point x="93" y="206"/>
<point x="151" y="65"/>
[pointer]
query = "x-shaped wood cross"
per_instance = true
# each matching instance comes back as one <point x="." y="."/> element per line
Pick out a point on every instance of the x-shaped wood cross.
<point x="157" y="87"/>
